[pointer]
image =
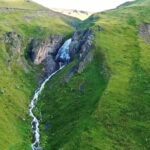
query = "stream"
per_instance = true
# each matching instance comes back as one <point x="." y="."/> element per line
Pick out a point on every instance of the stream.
<point x="63" y="55"/>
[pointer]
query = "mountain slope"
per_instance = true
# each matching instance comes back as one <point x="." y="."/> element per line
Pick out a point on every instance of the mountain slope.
<point x="93" y="112"/>
<point x="74" y="13"/>
<point x="21" y="4"/>
<point x="22" y="22"/>
<point x="103" y="106"/>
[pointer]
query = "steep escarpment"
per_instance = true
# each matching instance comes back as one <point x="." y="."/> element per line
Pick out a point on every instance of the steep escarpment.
<point x="81" y="50"/>
<point x="41" y="49"/>
<point x="81" y="47"/>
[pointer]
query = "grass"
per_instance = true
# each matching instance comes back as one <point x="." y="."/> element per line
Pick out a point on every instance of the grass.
<point x="68" y="106"/>
<point x="21" y="4"/>
<point x="104" y="108"/>
<point x="112" y="114"/>
<point x="16" y="88"/>
<point x="19" y="78"/>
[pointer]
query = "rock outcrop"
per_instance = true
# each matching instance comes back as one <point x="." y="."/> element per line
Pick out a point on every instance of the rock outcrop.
<point x="145" y="32"/>
<point x="81" y="47"/>
<point x="44" y="52"/>
<point x="39" y="50"/>
<point x="50" y="65"/>
<point x="83" y="64"/>
<point x="13" y="43"/>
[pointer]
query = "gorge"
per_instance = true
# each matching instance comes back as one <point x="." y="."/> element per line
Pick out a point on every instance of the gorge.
<point x="80" y="47"/>
<point x="63" y="56"/>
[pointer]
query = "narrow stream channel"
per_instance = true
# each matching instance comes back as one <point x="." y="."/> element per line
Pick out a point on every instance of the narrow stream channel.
<point x="63" y="54"/>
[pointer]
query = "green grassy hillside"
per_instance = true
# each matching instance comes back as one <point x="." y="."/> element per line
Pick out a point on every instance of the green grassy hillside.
<point x="18" y="78"/>
<point x="107" y="114"/>
<point x="106" y="107"/>
<point x="21" y="4"/>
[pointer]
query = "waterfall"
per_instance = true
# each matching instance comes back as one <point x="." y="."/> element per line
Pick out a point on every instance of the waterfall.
<point x="63" y="53"/>
<point x="63" y="56"/>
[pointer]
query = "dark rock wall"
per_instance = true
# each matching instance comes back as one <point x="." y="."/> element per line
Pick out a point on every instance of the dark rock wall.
<point x="40" y="50"/>
<point x="81" y="48"/>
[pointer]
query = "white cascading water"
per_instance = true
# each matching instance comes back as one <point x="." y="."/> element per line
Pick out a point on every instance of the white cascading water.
<point x="63" y="53"/>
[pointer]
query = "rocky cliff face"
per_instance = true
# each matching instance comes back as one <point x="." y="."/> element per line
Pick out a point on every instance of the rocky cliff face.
<point x="81" y="47"/>
<point x="50" y="64"/>
<point x="40" y="50"/>
<point x="44" y="52"/>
